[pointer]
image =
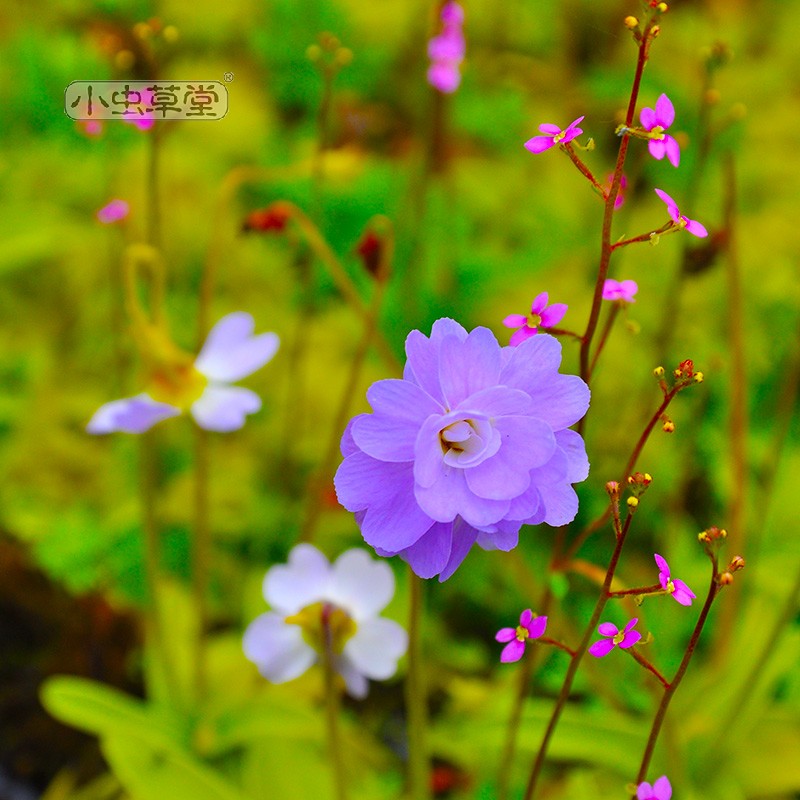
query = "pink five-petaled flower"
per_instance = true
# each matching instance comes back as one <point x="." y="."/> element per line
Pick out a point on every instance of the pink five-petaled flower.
<point x="678" y="589"/>
<point x="554" y="136"/>
<point x="471" y="444"/>
<point x="624" y="638"/>
<point x="691" y="225"/>
<point x="620" y="290"/>
<point x="201" y="387"/>
<point x="114" y="211"/>
<point x="660" y="790"/>
<point x="541" y="316"/>
<point x="655" y="121"/>
<point x="529" y="627"/>
<point x="447" y="50"/>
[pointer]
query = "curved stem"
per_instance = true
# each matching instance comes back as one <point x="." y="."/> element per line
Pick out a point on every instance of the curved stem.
<point x="416" y="697"/>
<point x="672" y="687"/>
<point x="637" y="656"/>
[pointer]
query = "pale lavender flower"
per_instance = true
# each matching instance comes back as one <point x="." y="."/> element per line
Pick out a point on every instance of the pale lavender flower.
<point x="447" y="49"/>
<point x="677" y="588"/>
<point x="542" y="316"/>
<point x="554" y="136"/>
<point x="660" y="790"/>
<point x="114" y="211"/>
<point x="691" y="225"/>
<point x="203" y="388"/>
<point x="655" y="121"/>
<point x="620" y="290"/>
<point x="529" y="627"/>
<point x="316" y="605"/>
<point x="471" y="444"/>
<point x="627" y="637"/>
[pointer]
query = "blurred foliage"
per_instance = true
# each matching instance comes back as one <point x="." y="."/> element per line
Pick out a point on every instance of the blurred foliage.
<point x="477" y="238"/>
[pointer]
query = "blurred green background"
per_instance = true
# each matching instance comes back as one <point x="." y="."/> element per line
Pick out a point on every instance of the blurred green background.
<point x="482" y="226"/>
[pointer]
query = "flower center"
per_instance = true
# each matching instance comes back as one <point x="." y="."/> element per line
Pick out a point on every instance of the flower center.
<point x="522" y="633"/>
<point x="619" y="637"/>
<point x="534" y="320"/>
<point x="559" y="136"/>
<point x="325" y="626"/>
<point x="468" y="442"/>
<point x="657" y="133"/>
<point x="177" y="384"/>
<point x="670" y="586"/>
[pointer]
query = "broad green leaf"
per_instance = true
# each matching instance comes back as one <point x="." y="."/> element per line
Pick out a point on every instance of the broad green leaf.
<point x="151" y="772"/>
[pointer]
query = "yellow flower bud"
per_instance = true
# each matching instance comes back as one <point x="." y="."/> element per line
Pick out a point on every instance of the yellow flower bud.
<point x="631" y="22"/>
<point x="633" y="502"/>
<point x="659" y="372"/>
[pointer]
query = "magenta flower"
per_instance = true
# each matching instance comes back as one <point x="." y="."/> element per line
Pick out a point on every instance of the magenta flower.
<point x="202" y="387"/>
<point x="620" y="290"/>
<point x="691" y="225"/>
<point x="446" y="50"/>
<point x="660" y="790"/>
<point x="655" y="122"/>
<point x="554" y="136"/>
<point x="114" y="211"/>
<point x="529" y="627"/>
<point x="471" y="444"/>
<point x="624" y="638"/>
<point x="678" y="589"/>
<point x="541" y="316"/>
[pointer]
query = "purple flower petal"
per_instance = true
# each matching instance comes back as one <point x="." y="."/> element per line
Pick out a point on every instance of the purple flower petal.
<point x="513" y="651"/>
<point x="422" y="353"/>
<point x="601" y="648"/>
<point x="231" y="352"/>
<point x="682" y="594"/>
<point x="630" y="624"/>
<point x="562" y="401"/>
<point x="525" y="618"/>
<point x="630" y="639"/>
<point x="385" y="438"/>
<point x="553" y="314"/>
<point x="665" y="111"/>
<point x="628" y="289"/>
<point x="449" y="497"/>
<point x="224" y="408"/>
<point x="504" y="540"/>
<point x="662" y="564"/>
<point x="571" y="133"/>
<point x="644" y="791"/>
<point x="662" y="789"/>
<point x="574" y="122"/>
<point x="278" y="650"/>
<point x="672" y="207"/>
<point x="515" y="320"/>
<point x="538" y="144"/>
<point x="402" y="400"/>
<point x="505" y="634"/>
<point x="539" y="303"/>
<point x="673" y="150"/>
<point x="574" y="448"/>
<point x="452" y="14"/>
<point x="537" y="627"/>
<point x="429" y="555"/>
<point x="496" y="401"/>
<point x="521" y="335"/>
<point x="695" y="228"/>
<point x="444" y="76"/>
<point x="533" y="364"/>
<point x="607" y="629"/>
<point x="113" y="212"/>
<point x="549" y="128"/>
<point x="532" y="440"/>
<point x="469" y="366"/>
<point x="657" y="148"/>
<point x="464" y="537"/>
<point x="130" y="415"/>
<point x="647" y="116"/>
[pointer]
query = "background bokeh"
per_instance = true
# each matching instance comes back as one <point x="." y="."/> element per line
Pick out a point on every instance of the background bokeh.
<point x="481" y="227"/>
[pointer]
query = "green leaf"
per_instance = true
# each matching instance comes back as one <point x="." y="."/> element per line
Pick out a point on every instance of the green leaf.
<point x="103" y="711"/>
<point x="151" y="772"/>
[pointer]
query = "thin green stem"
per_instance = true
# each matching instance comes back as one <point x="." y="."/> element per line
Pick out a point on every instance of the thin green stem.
<point x="201" y="556"/>
<point x="612" y="316"/>
<point x="673" y="685"/>
<point x="416" y="697"/>
<point x="332" y="706"/>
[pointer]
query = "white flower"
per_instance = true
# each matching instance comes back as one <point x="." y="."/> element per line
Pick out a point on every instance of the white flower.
<point x="313" y="600"/>
<point x="201" y="387"/>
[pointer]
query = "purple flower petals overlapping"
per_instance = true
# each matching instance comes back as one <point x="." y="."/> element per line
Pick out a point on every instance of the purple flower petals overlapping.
<point x="656" y="121"/>
<point x="471" y="444"/>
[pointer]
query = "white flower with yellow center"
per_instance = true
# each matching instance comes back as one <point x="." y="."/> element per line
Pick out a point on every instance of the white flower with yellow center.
<point x="321" y="609"/>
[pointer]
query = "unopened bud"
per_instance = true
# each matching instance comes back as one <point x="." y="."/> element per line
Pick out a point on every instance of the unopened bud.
<point x="631" y="22"/>
<point x="726" y="579"/>
<point x="668" y="426"/>
<point x="612" y="487"/>
<point x="699" y="377"/>
<point x="737" y="563"/>
<point x="662" y="7"/>
<point x="633" y="502"/>
<point x="170" y="34"/>
<point x="655" y="30"/>
<point x="659" y="372"/>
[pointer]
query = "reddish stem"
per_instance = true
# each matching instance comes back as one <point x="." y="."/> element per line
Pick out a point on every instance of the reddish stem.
<point x="656" y="587"/>
<point x="583" y="169"/>
<point x="632" y="651"/>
